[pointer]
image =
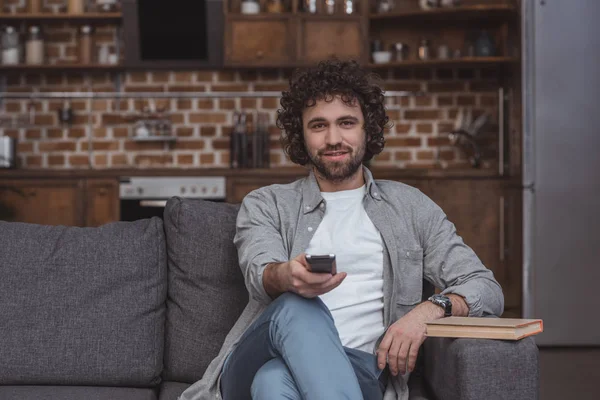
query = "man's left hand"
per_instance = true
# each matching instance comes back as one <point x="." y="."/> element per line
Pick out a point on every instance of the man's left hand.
<point x="401" y="343"/>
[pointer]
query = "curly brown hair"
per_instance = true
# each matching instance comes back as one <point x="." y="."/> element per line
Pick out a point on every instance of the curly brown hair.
<point x="328" y="79"/>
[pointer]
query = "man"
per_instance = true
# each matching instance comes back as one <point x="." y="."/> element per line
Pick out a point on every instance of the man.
<point x="354" y="334"/>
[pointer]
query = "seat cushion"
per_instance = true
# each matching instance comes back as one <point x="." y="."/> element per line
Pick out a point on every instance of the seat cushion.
<point x="82" y="306"/>
<point x="171" y="390"/>
<point x="206" y="291"/>
<point x="74" y="393"/>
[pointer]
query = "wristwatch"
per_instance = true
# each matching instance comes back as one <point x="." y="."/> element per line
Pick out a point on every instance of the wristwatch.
<point x="444" y="302"/>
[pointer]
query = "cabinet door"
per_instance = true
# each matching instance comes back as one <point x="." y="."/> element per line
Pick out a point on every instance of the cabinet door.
<point x="46" y="202"/>
<point x="259" y="42"/>
<point x="479" y="210"/>
<point x="324" y="38"/>
<point x="238" y="188"/>
<point x="102" y="202"/>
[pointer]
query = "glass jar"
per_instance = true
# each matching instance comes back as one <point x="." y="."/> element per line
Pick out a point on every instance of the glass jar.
<point x="76" y="6"/>
<point x="275" y="6"/>
<point x="34" y="47"/>
<point x="35" y="6"/>
<point x="11" y="46"/>
<point x="384" y="6"/>
<point x="106" y="5"/>
<point x="250" y="7"/>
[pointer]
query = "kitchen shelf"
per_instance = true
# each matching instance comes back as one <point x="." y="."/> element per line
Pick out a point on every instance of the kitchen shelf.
<point x="459" y="62"/>
<point x="100" y="17"/>
<point x="61" y="68"/>
<point x="261" y="16"/>
<point x="456" y="13"/>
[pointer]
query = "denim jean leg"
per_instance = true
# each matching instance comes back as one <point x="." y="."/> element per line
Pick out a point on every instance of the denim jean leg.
<point x="274" y="381"/>
<point x="300" y="331"/>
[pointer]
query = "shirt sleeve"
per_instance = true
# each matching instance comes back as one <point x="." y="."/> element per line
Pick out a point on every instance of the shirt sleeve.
<point x="453" y="266"/>
<point x="258" y="241"/>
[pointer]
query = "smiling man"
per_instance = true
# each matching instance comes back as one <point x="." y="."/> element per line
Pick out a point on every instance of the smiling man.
<point x="354" y="334"/>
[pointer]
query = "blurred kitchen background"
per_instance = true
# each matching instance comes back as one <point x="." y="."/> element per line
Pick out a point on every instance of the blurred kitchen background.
<point x="110" y="107"/>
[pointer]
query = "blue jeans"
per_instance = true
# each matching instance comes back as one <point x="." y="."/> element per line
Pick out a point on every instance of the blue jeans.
<point x="293" y="351"/>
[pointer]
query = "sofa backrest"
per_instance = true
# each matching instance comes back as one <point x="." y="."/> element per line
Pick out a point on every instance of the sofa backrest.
<point x="82" y="306"/>
<point x="206" y="291"/>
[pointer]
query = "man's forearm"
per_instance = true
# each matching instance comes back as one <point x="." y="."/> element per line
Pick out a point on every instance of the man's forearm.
<point x="273" y="279"/>
<point x="431" y="312"/>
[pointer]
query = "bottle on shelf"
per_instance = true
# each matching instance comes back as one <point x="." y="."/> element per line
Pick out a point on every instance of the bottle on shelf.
<point x="34" y="47"/>
<point x="349" y="7"/>
<point x="330" y="6"/>
<point x="11" y="46"/>
<point x="85" y="44"/>
<point x="424" y="51"/>
<point x="310" y="6"/>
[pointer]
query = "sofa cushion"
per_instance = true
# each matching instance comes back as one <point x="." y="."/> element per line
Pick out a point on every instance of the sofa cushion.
<point x="82" y="306"/>
<point x="171" y="390"/>
<point x="74" y="392"/>
<point x="206" y="291"/>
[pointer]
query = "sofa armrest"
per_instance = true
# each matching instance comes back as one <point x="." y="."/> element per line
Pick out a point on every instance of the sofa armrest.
<point x="474" y="369"/>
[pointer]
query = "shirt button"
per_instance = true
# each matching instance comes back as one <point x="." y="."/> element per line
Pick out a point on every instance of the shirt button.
<point x="408" y="254"/>
<point x="375" y="194"/>
<point x="307" y="207"/>
<point x="310" y="228"/>
<point x="322" y="206"/>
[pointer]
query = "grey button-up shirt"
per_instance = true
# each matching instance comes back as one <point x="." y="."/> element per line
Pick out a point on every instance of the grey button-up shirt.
<point x="277" y="222"/>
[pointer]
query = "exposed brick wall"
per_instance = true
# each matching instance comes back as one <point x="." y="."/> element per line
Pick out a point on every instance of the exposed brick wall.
<point x="417" y="139"/>
<point x="101" y="133"/>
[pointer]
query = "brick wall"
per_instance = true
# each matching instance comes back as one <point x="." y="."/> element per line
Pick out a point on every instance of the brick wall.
<point x="417" y="139"/>
<point x="100" y="136"/>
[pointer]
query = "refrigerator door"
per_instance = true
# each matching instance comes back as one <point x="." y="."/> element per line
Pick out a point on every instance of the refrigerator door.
<point x="561" y="72"/>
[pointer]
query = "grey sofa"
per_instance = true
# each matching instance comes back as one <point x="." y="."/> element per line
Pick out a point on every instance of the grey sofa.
<point x="137" y="310"/>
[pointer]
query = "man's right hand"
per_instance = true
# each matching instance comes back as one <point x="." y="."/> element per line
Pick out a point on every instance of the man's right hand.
<point x="295" y="276"/>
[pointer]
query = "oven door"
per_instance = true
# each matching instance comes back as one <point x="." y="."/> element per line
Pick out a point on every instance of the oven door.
<point x="134" y="209"/>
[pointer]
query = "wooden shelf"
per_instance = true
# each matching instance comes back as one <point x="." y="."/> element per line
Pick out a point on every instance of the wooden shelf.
<point x="60" y="67"/>
<point x="462" y="12"/>
<point x="458" y="62"/>
<point x="100" y="17"/>
<point x="260" y="17"/>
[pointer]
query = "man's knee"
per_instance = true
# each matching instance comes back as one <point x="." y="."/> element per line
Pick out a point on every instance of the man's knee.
<point x="274" y="381"/>
<point x="299" y="308"/>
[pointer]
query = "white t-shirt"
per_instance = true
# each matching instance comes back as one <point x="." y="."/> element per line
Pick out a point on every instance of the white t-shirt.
<point x="357" y="304"/>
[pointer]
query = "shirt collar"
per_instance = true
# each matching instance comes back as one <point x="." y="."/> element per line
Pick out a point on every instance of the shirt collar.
<point x="311" y="193"/>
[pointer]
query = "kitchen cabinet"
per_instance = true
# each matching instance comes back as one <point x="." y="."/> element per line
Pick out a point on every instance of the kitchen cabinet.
<point x="102" y="201"/>
<point x="239" y="187"/>
<point x="293" y="37"/>
<point x="322" y="38"/>
<point x="486" y="215"/>
<point x="259" y="41"/>
<point x="70" y="202"/>
<point x="296" y="37"/>
<point x="47" y="202"/>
